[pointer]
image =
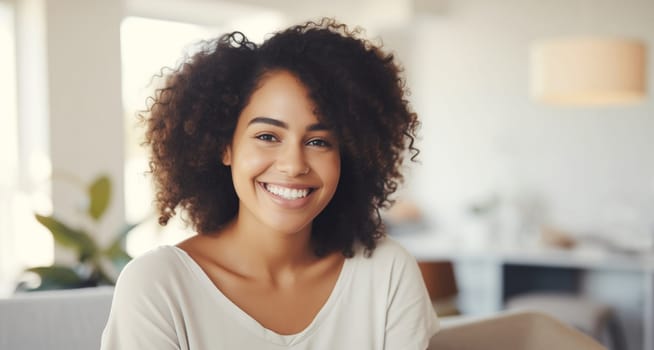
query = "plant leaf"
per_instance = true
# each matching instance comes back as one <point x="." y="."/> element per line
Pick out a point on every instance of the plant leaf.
<point x="69" y="237"/>
<point x="100" y="195"/>
<point x="57" y="277"/>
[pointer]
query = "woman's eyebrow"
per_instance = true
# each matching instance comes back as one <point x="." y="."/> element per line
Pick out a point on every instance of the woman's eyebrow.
<point x="270" y="121"/>
<point x="281" y="124"/>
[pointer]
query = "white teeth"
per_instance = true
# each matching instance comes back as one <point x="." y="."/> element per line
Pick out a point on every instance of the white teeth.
<point x="287" y="193"/>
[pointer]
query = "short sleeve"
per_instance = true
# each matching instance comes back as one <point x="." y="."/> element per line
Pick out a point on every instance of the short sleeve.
<point x="140" y="317"/>
<point x="410" y="319"/>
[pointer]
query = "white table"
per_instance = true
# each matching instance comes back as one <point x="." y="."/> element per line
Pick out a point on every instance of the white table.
<point x="432" y="247"/>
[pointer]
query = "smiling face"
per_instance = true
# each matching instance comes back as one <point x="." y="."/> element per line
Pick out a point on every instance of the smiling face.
<point x="285" y="164"/>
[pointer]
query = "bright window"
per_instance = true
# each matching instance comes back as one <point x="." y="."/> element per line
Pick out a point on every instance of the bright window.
<point x="23" y="241"/>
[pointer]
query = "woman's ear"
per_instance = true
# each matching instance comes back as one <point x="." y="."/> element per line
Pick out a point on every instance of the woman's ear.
<point x="227" y="156"/>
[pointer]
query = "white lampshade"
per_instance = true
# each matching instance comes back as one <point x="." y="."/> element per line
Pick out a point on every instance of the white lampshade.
<point x="588" y="71"/>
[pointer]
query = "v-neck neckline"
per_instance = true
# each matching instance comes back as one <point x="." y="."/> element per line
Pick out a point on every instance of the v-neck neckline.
<point x="252" y="324"/>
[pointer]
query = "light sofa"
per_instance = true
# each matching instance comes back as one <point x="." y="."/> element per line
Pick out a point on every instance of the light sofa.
<point x="74" y="320"/>
<point x="58" y="320"/>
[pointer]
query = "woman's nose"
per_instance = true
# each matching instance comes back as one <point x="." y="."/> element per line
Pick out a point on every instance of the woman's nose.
<point x="291" y="161"/>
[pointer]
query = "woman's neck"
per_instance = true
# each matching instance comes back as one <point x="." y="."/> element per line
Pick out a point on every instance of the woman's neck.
<point x="266" y="254"/>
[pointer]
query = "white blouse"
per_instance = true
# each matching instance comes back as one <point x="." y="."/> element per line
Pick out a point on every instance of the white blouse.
<point x="164" y="300"/>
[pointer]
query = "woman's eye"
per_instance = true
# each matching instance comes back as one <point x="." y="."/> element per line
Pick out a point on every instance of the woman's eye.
<point x="319" y="143"/>
<point x="266" y="137"/>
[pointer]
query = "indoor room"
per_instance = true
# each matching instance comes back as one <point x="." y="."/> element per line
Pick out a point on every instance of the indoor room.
<point x="533" y="188"/>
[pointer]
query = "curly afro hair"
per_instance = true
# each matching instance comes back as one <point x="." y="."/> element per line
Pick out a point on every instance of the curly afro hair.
<point x="358" y="92"/>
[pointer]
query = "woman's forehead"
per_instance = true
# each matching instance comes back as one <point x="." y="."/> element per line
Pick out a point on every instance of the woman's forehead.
<point x="281" y="98"/>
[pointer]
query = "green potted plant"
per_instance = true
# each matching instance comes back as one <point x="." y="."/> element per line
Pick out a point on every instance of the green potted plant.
<point x="95" y="265"/>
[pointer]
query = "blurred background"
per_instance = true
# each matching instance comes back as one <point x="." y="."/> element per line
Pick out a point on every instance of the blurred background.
<point x="503" y="180"/>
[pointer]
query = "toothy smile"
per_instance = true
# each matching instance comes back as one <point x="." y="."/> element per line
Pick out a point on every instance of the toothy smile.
<point x="286" y="192"/>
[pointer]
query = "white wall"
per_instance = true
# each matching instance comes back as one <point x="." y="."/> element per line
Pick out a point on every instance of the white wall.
<point x="482" y="134"/>
<point x="85" y="107"/>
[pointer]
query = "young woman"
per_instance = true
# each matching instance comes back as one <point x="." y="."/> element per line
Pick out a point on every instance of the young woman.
<point x="280" y="156"/>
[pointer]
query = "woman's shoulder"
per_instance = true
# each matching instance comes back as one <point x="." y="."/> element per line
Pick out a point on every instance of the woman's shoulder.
<point x="141" y="306"/>
<point x="157" y="266"/>
<point x="387" y="255"/>
<point x="388" y="248"/>
<point x="155" y="258"/>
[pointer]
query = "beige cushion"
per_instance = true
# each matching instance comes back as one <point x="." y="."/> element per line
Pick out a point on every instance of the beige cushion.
<point x="514" y="331"/>
<point x="582" y="313"/>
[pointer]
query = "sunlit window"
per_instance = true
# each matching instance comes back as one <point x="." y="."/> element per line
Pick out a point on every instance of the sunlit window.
<point x="23" y="241"/>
